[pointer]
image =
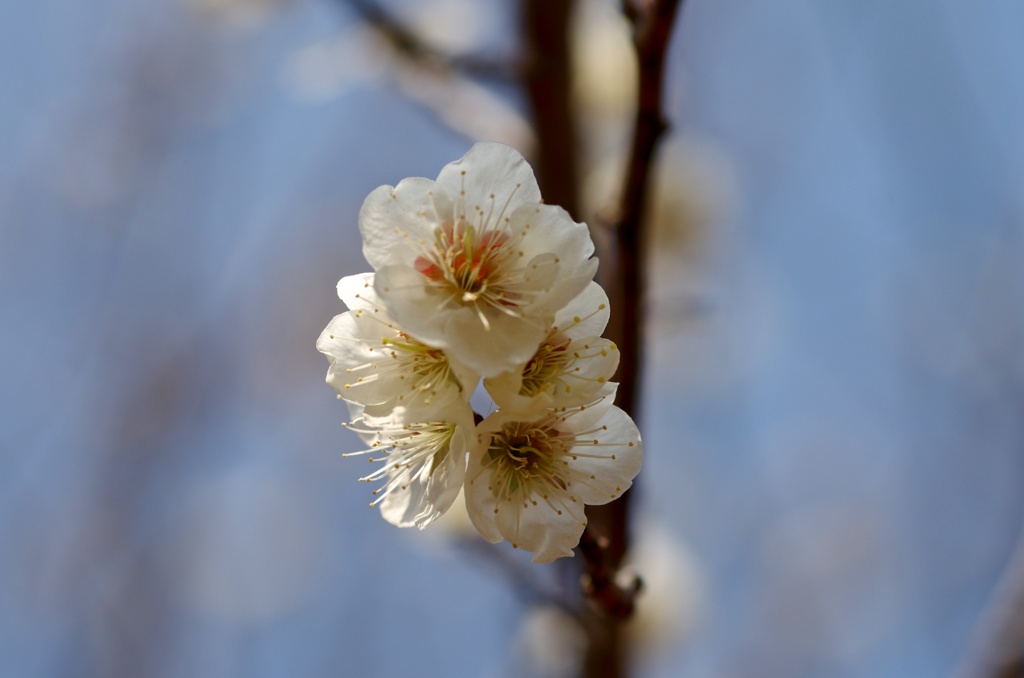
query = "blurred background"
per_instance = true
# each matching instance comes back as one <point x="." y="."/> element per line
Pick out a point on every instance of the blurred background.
<point x="834" y="474"/>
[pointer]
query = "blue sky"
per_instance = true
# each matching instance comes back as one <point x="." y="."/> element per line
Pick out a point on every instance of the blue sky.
<point x="833" y="439"/>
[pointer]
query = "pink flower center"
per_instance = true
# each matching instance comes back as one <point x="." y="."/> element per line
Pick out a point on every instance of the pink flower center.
<point x="463" y="259"/>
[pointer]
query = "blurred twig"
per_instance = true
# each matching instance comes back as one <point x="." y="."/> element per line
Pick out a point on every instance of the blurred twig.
<point x="522" y="578"/>
<point x="446" y="85"/>
<point x="411" y="45"/>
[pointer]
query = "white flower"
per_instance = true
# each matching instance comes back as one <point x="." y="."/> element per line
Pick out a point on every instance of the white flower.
<point x="422" y="452"/>
<point x="530" y="475"/>
<point x="473" y="263"/>
<point x="375" y="362"/>
<point x="674" y="584"/>
<point x="551" y="642"/>
<point x="571" y="366"/>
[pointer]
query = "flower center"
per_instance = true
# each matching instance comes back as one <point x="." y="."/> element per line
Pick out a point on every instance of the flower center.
<point x="526" y="458"/>
<point x="427" y="368"/>
<point x="465" y="261"/>
<point x="546" y="365"/>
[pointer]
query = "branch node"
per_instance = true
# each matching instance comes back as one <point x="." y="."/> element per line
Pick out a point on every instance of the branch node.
<point x="611" y="591"/>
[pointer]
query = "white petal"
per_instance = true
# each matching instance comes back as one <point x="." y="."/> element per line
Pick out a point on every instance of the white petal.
<point x="577" y="375"/>
<point x="480" y="501"/>
<point x="411" y="302"/>
<point x="509" y="341"/>
<point x="504" y="391"/>
<point x="586" y="417"/>
<point x="534" y="511"/>
<point x="550" y="528"/>
<point x="586" y="314"/>
<point x="431" y="494"/>
<point x="467" y="377"/>
<point x="549" y="228"/>
<point x="540" y="273"/>
<point x="357" y="291"/>
<point x="419" y="489"/>
<point x="571" y="285"/>
<point x="491" y="177"/>
<point x="335" y="340"/>
<point x="393" y="221"/>
<point x="340" y="343"/>
<point x="374" y="363"/>
<point x="433" y="319"/>
<point x="595" y="361"/>
<point x="604" y="471"/>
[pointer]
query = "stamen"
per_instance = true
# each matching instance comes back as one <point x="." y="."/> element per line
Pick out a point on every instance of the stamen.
<point x="413" y="370"/>
<point x="472" y="263"/>
<point x="416" y="450"/>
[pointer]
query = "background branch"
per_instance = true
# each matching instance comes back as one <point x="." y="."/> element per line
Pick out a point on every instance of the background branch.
<point x="622" y="276"/>
<point x="447" y="86"/>
<point x="407" y="42"/>
<point x="522" y="577"/>
<point x="547" y="81"/>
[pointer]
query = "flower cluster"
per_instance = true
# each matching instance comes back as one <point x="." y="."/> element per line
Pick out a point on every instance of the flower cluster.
<point x="476" y="279"/>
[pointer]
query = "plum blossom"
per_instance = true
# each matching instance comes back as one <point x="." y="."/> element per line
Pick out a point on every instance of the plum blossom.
<point x="474" y="263"/>
<point x="375" y="362"/>
<point x="573" y="364"/>
<point x="422" y="455"/>
<point x="530" y="474"/>
<point x="475" y="278"/>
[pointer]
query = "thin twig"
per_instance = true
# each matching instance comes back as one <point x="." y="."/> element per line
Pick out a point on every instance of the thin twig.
<point x="447" y="85"/>
<point x="622" y="267"/>
<point x="652" y="30"/>
<point x="410" y="44"/>
<point x="523" y="579"/>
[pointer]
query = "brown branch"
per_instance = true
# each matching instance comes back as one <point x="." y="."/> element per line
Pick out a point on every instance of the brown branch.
<point x="622" y="275"/>
<point x="547" y="80"/>
<point x="601" y="585"/>
<point x="621" y="267"/>
<point x="652" y="30"/>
